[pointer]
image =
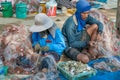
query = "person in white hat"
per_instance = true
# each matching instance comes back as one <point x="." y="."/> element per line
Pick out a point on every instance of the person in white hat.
<point x="46" y="36"/>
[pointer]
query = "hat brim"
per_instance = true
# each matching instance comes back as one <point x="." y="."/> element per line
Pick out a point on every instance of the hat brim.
<point x="40" y="28"/>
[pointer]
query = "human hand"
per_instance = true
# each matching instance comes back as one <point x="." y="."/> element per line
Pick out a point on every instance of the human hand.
<point x="92" y="43"/>
<point x="37" y="47"/>
<point x="45" y="48"/>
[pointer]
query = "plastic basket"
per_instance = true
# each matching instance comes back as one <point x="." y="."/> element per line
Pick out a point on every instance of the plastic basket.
<point x="80" y="76"/>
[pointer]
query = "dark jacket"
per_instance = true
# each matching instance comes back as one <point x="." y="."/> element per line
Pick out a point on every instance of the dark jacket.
<point x="72" y="36"/>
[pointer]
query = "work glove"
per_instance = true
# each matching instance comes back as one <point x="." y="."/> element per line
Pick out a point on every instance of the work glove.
<point x="37" y="47"/>
<point x="44" y="48"/>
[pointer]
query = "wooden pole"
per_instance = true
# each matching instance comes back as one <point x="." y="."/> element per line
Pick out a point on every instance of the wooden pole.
<point x="118" y="17"/>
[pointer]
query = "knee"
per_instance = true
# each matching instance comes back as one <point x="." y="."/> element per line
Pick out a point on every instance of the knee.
<point x="83" y="58"/>
<point x="95" y="26"/>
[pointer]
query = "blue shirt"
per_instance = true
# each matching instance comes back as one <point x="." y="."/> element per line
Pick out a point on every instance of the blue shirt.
<point x="56" y="44"/>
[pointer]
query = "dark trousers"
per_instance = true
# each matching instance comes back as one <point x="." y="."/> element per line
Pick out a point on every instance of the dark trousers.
<point x="71" y="53"/>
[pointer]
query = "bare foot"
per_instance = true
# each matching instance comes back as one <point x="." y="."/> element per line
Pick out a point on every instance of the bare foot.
<point x="83" y="58"/>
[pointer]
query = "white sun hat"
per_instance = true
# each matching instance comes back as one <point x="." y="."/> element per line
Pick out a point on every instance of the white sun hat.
<point x="42" y="23"/>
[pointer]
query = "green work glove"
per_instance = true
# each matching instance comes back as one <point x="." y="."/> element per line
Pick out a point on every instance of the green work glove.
<point x="37" y="47"/>
<point x="45" y="48"/>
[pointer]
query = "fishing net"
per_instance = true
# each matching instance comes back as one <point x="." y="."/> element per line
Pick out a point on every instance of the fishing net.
<point x="110" y="44"/>
<point x="16" y="49"/>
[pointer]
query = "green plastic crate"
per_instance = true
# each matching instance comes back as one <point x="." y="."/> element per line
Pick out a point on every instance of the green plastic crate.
<point x="80" y="76"/>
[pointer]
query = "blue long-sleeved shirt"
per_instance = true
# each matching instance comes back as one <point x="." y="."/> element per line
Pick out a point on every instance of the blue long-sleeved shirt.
<point x="56" y="44"/>
<point x="72" y="36"/>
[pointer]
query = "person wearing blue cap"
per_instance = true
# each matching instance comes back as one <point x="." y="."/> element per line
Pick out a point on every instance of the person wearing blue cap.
<point x="78" y="36"/>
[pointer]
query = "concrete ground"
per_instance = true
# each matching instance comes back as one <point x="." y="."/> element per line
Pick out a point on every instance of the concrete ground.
<point x="59" y="19"/>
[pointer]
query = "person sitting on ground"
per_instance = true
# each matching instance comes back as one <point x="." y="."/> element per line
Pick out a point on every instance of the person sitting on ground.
<point x="78" y="36"/>
<point x="46" y="37"/>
